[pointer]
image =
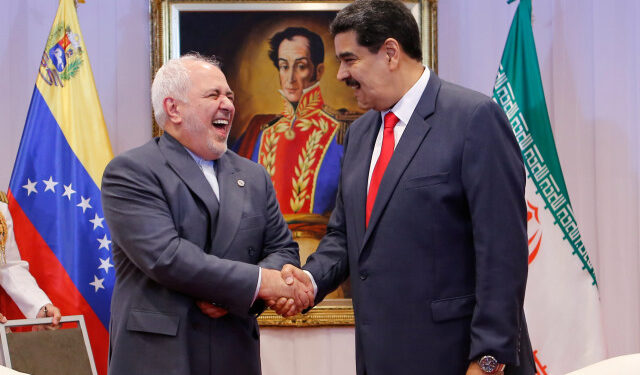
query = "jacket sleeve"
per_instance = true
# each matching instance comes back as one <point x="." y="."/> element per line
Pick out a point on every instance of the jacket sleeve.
<point x="279" y="247"/>
<point x="15" y="278"/>
<point x="493" y="178"/>
<point x="329" y="264"/>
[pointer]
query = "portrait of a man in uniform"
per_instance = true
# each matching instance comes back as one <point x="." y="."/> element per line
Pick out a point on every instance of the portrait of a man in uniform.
<point x="291" y="111"/>
<point x="301" y="146"/>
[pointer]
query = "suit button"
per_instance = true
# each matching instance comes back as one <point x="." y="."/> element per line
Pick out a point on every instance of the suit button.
<point x="251" y="250"/>
<point x="363" y="276"/>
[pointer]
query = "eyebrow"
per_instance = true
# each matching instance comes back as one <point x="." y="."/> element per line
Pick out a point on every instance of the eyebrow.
<point x="217" y="91"/>
<point x="346" y="54"/>
<point x="296" y="60"/>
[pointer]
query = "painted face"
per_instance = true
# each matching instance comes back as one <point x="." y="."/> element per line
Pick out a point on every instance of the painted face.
<point x="208" y="114"/>
<point x="365" y="72"/>
<point x="297" y="72"/>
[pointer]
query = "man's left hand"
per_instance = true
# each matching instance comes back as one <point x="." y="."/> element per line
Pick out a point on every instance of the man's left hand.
<point x="211" y="310"/>
<point x="474" y="369"/>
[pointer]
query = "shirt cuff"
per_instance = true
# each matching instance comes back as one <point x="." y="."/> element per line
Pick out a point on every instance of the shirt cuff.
<point x="255" y="295"/>
<point x="315" y="287"/>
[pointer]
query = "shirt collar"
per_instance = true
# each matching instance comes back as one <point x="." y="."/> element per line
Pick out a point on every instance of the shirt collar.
<point x="199" y="160"/>
<point x="407" y="104"/>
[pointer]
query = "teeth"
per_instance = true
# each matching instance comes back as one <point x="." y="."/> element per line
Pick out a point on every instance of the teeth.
<point x="221" y="122"/>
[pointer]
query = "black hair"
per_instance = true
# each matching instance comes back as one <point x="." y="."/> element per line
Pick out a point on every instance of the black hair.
<point x="316" y="47"/>
<point x="376" y="20"/>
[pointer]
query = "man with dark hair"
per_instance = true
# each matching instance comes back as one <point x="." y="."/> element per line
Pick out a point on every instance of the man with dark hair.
<point x="430" y="218"/>
<point x="314" y="46"/>
<point x="300" y="147"/>
<point x="304" y="128"/>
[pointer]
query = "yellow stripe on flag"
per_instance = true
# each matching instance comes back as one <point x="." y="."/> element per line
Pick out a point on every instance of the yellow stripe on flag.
<point x="65" y="81"/>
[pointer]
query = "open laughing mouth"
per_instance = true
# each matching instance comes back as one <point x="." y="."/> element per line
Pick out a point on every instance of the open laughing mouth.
<point x="220" y="124"/>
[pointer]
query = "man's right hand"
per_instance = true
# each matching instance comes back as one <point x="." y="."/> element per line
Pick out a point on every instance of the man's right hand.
<point x="273" y="287"/>
<point x="288" y="296"/>
<point x="303" y="292"/>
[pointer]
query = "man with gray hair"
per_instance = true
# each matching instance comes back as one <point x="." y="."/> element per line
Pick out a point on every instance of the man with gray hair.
<point x="197" y="237"/>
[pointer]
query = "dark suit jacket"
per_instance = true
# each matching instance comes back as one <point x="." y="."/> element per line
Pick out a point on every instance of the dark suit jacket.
<point x="174" y="244"/>
<point x="438" y="277"/>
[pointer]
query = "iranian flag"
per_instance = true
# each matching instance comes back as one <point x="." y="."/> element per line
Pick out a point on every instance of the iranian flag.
<point x="561" y="304"/>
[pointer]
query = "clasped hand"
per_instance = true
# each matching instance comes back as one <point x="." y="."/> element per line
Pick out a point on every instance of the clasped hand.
<point x="287" y="292"/>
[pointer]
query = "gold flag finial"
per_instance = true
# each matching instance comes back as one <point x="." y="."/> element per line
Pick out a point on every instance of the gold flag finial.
<point x="4" y="235"/>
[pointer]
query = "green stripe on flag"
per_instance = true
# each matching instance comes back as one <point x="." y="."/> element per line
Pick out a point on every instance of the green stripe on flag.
<point x="519" y="92"/>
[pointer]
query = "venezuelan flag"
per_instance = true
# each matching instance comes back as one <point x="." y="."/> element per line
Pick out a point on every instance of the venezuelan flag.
<point x="54" y="192"/>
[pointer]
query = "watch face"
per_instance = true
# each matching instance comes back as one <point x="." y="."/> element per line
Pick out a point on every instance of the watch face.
<point x="488" y="364"/>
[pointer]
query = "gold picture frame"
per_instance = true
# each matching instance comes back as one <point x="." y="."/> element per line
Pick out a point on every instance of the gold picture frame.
<point x="166" y="41"/>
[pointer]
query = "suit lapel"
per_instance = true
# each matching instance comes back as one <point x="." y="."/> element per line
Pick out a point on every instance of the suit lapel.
<point x="187" y="169"/>
<point x="413" y="136"/>
<point x="364" y="143"/>
<point x="232" y="195"/>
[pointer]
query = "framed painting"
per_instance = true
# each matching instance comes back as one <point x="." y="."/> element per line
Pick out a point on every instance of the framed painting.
<point x="291" y="111"/>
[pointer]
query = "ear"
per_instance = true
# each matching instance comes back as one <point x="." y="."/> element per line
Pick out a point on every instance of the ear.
<point x="170" y="106"/>
<point x="392" y="51"/>
<point x="319" y="71"/>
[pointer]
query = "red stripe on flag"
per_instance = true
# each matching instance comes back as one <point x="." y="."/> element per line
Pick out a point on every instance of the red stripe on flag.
<point x="56" y="283"/>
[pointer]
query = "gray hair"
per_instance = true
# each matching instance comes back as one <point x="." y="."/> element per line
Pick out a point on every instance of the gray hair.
<point x="173" y="80"/>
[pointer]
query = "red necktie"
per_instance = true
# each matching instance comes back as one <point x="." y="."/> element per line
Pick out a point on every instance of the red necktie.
<point x="388" y="143"/>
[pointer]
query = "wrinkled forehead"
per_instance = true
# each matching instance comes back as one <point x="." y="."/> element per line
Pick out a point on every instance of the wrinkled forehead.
<point x="204" y="76"/>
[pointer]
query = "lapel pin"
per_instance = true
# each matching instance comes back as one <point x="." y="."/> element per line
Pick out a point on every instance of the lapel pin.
<point x="241" y="183"/>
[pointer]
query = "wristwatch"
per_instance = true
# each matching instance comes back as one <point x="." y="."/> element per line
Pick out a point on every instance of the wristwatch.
<point x="489" y="364"/>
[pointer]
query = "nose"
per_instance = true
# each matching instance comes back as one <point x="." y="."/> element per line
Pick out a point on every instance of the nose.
<point x="227" y="105"/>
<point x="291" y="75"/>
<point x="343" y="73"/>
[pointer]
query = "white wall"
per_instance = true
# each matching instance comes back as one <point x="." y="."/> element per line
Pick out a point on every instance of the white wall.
<point x="589" y="54"/>
<point x="116" y="35"/>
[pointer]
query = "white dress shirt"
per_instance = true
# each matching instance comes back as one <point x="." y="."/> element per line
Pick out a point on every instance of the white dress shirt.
<point x="403" y="109"/>
<point x="208" y="168"/>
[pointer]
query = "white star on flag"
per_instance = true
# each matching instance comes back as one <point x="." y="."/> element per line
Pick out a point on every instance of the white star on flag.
<point x="84" y="204"/>
<point x="30" y="186"/>
<point x="104" y="242"/>
<point x="97" y="283"/>
<point x="97" y="222"/>
<point x="68" y="191"/>
<point x="51" y="185"/>
<point x="105" y="264"/>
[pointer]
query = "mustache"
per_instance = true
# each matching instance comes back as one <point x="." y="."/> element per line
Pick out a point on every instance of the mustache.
<point x="351" y="82"/>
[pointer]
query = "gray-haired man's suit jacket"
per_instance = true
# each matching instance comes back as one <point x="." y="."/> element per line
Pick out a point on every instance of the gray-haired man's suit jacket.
<point x="173" y="244"/>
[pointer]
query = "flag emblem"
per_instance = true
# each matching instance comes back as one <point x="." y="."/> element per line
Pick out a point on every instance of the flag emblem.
<point x="63" y="56"/>
<point x="534" y="230"/>
<point x="54" y="192"/>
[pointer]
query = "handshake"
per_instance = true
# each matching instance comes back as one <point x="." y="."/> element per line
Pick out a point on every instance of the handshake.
<point x="287" y="292"/>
